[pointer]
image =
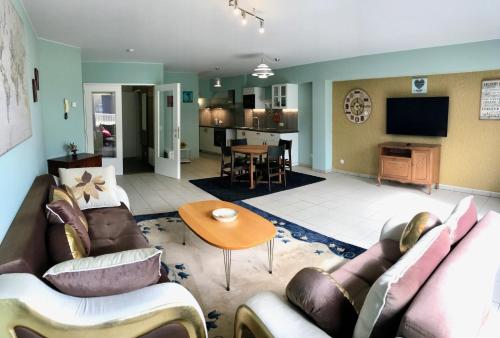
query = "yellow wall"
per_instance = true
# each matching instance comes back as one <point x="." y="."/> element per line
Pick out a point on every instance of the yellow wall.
<point x="470" y="155"/>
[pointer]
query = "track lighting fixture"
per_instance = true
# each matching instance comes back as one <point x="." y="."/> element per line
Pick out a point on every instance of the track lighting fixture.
<point x="237" y="10"/>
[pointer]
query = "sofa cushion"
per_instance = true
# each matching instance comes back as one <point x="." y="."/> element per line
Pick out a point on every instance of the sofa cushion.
<point x="62" y="212"/>
<point x="392" y="292"/>
<point x="462" y="218"/>
<point x="416" y="228"/>
<point x="112" y="230"/>
<point x="106" y="275"/>
<point x="341" y="295"/>
<point x="92" y="187"/>
<point x="458" y="295"/>
<point x="322" y="298"/>
<point x="64" y="193"/>
<point x="64" y="243"/>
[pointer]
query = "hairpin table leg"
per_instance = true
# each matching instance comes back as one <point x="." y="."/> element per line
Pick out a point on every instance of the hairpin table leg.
<point x="227" y="267"/>
<point x="270" y="254"/>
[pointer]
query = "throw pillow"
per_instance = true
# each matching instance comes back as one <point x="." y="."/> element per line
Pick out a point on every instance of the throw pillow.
<point x="391" y="294"/>
<point x="65" y="194"/>
<point x="91" y="187"/>
<point x="323" y="300"/>
<point x="64" y="243"/>
<point x="416" y="228"/>
<point x="462" y="218"/>
<point x="106" y="275"/>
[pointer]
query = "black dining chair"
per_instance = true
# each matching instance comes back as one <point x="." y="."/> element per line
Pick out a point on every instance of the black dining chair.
<point x="288" y="147"/>
<point x="275" y="164"/>
<point x="235" y="167"/>
<point x="239" y="142"/>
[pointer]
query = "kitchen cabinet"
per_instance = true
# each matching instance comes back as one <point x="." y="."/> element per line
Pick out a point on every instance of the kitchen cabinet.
<point x="285" y="96"/>
<point x="207" y="139"/>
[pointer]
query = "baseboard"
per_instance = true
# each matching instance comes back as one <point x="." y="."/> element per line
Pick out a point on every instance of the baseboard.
<point x="441" y="186"/>
<point x="322" y="171"/>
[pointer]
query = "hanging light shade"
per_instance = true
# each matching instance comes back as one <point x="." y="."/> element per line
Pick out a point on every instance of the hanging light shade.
<point x="217" y="82"/>
<point x="262" y="71"/>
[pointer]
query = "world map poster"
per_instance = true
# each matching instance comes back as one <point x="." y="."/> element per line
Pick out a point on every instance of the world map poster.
<point x="15" y="116"/>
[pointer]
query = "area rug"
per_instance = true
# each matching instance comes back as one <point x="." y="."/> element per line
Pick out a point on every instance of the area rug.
<point x="199" y="267"/>
<point x="224" y="190"/>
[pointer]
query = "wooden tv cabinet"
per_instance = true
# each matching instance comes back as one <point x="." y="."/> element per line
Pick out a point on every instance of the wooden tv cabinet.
<point x="409" y="163"/>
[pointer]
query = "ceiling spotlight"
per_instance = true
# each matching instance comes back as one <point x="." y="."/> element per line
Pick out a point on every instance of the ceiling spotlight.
<point x="235" y="4"/>
<point x="130" y="50"/>
<point x="243" y="18"/>
<point x="261" y="29"/>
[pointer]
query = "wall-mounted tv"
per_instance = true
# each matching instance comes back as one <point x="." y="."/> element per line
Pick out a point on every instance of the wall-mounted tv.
<point x="421" y="116"/>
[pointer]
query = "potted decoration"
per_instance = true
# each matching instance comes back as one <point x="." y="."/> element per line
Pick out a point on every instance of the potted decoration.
<point x="73" y="148"/>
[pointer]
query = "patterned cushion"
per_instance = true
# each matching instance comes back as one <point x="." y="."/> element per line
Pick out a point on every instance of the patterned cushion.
<point x="416" y="228"/>
<point x="393" y="291"/>
<point x="91" y="187"/>
<point x="106" y="275"/>
<point x="63" y="209"/>
<point x="462" y="218"/>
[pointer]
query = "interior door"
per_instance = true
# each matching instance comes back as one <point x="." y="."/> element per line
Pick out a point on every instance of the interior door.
<point x="103" y="118"/>
<point x="167" y="130"/>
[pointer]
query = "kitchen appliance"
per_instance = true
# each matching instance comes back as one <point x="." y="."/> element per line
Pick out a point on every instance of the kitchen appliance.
<point x="219" y="136"/>
<point x="223" y="99"/>
<point x="253" y="98"/>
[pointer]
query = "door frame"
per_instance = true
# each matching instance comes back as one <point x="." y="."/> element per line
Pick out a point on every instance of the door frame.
<point x="88" y="127"/>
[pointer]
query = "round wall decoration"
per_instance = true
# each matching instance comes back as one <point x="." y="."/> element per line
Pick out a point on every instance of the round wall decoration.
<point x="357" y="106"/>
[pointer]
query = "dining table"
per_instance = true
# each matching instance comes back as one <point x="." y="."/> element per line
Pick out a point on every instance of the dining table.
<point x="252" y="151"/>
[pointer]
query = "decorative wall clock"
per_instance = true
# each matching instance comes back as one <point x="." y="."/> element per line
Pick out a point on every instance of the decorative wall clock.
<point x="357" y="106"/>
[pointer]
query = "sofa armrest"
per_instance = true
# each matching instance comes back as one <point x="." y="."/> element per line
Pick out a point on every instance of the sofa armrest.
<point x="393" y="228"/>
<point x="122" y="196"/>
<point x="268" y="315"/>
<point x="26" y="301"/>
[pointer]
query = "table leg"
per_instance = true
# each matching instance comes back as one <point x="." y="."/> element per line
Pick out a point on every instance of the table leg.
<point x="227" y="267"/>
<point x="252" y="185"/>
<point x="270" y="254"/>
<point x="184" y="236"/>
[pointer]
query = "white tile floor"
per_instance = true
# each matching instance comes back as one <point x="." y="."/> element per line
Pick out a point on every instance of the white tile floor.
<point x="348" y="208"/>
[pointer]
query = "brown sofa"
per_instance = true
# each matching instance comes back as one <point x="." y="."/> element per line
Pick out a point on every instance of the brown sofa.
<point x="23" y="252"/>
<point x="453" y="302"/>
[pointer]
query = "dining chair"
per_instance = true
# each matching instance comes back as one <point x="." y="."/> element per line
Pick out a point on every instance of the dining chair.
<point x="234" y="167"/>
<point x="288" y="147"/>
<point x="239" y="142"/>
<point x="275" y="164"/>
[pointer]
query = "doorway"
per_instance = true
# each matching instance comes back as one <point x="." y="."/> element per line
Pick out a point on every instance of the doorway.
<point x="138" y="128"/>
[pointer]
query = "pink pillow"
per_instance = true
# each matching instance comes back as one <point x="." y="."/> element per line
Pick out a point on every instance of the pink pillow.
<point x="462" y="219"/>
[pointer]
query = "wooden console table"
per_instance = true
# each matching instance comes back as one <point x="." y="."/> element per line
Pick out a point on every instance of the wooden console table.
<point x="410" y="163"/>
<point x="81" y="161"/>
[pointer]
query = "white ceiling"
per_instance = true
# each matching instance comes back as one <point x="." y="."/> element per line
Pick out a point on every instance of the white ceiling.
<point x="190" y="35"/>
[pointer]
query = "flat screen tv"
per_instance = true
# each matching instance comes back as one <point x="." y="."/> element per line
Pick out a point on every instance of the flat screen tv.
<point x="422" y="116"/>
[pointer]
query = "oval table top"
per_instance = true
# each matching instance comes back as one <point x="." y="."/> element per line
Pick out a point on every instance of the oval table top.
<point x="250" y="149"/>
<point x="248" y="230"/>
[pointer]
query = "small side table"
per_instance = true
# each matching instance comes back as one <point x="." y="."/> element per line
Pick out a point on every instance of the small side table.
<point x="82" y="160"/>
<point x="185" y="155"/>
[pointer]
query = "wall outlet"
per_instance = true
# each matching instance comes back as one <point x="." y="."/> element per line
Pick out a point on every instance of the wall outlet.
<point x="342" y="161"/>
<point x="73" y="104"/>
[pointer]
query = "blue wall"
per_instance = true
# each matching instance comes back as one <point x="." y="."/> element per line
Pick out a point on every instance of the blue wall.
<point x="437" y="60"/>
<point x="122" y="72"/>
<point x="20" y="165"/>
<point x="189" y="111"/>
<point x="61" y="72"/>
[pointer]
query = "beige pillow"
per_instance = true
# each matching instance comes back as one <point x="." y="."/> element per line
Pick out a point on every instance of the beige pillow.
<point x="416" y="228"/>
<point x="106" y="275"/>
<point x="91" y="187"/>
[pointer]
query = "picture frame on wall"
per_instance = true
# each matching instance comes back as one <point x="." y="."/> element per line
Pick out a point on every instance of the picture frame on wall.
<point x="490" y="100"/>
<point x="187" y="96"/>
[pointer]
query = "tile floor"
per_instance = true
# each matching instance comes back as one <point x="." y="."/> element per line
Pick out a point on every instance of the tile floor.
<point x="348" y="208"/>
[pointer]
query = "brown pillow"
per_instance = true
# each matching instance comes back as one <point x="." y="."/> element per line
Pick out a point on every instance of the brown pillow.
<point x="323" y="300"/>
<point x="416" y="228"/>
<point x="107" y="275"/>
<point x="64" y="193"/>
<point x="64" y="243"/>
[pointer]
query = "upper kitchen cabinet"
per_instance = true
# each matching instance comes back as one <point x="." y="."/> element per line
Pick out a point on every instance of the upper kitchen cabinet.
<point x="285" y="96"/>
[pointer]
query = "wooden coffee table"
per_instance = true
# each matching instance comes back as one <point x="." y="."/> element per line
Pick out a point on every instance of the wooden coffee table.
<point x="247" y="231"/>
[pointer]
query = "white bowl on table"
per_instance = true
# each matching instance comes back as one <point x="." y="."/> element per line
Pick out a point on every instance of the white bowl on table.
<point x="225" y="214"/>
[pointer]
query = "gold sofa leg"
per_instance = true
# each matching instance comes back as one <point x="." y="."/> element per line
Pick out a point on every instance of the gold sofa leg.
<point x="247" y="319"/>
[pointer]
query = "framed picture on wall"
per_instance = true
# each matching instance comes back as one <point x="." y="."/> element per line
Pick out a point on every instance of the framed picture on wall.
<point x="490" y="100"/>
<point x="187" y="97"/>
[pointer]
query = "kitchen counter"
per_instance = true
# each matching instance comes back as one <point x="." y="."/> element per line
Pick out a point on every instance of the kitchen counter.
<point x="262" y="130"/>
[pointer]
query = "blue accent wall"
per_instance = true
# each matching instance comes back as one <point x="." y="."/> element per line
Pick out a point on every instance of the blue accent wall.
<point x="20" y="165"/>
<point x="61" y="74"/>
<point x="437" y="60"/>
<point x="122" y="72"/>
